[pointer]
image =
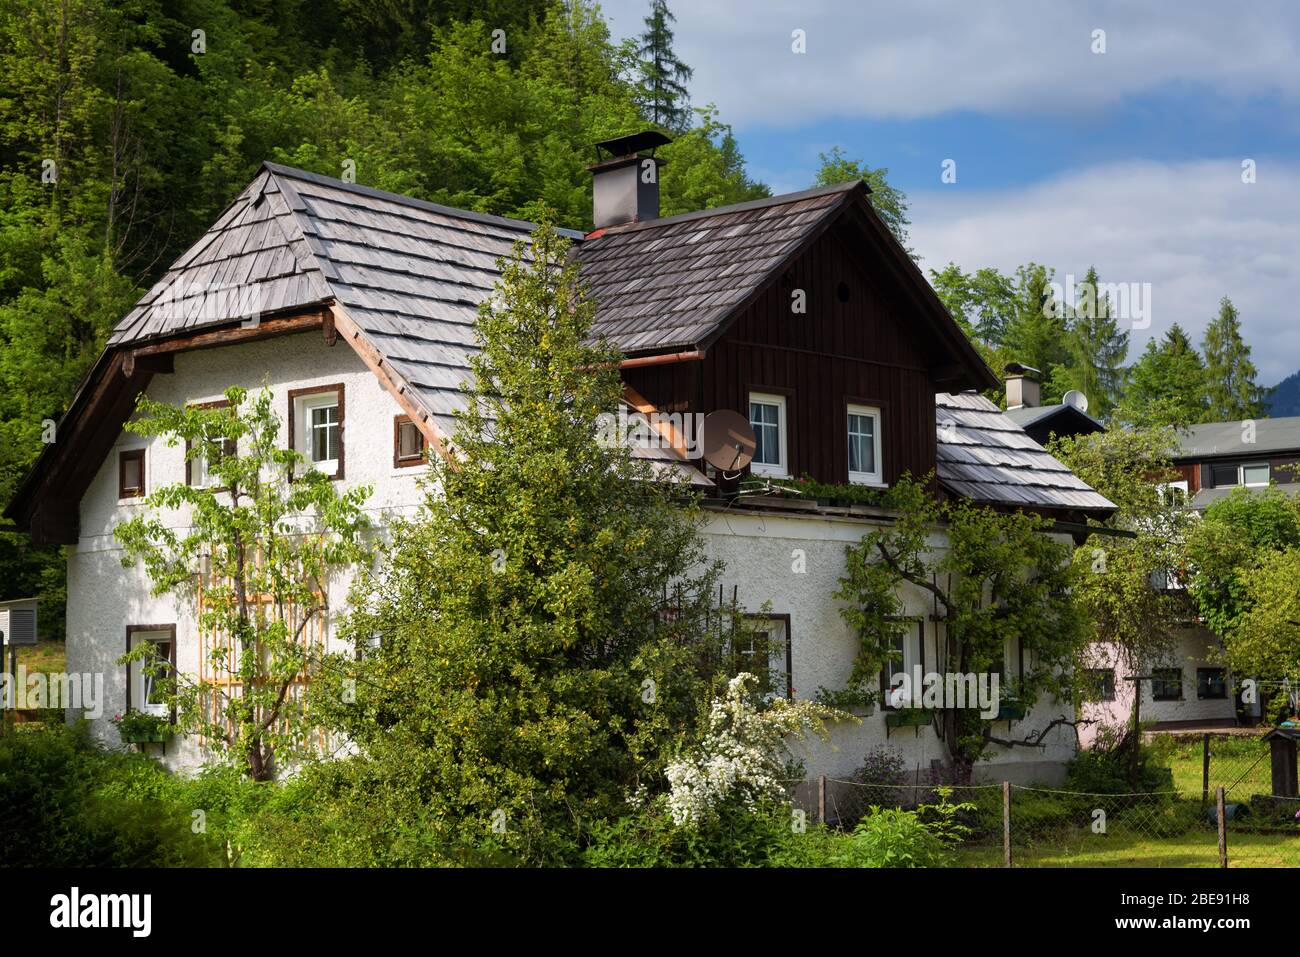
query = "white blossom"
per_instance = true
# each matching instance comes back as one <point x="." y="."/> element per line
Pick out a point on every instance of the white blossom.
<point x="741" y="754"/>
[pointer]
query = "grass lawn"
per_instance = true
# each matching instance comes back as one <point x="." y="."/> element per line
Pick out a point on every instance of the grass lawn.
<point x="1240" y="764"/>
<point x="44" y="656"/>
<point x="1197" y="848"/>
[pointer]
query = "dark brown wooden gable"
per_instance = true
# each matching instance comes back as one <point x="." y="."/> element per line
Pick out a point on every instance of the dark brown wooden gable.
<point x="854" y="344"/>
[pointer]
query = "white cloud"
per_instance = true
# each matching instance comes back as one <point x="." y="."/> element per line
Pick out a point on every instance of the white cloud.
<point x="1192" y="230"/>
<point x="925" y="57"/>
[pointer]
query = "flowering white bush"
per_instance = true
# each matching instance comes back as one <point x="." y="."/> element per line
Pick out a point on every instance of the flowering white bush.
<point x="742" y="753"/>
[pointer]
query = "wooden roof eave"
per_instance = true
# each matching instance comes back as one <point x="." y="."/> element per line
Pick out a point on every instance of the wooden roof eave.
<point x="101" y="406"/>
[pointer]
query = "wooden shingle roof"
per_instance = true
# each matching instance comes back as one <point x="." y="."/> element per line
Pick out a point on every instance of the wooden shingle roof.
<point x="983" y="456"/>
<point x="408" y="277"/>
<point x="671" y="283"/>
<point x="410" y="274"/>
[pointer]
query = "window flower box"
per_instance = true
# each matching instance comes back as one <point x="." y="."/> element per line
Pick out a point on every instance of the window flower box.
<point x="138" y="727"/>
<point x="1010" y="710"/>
<point x="908" y="718"/>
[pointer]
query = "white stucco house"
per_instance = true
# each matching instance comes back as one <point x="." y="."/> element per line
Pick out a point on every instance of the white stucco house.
<point x="356" y="308"/>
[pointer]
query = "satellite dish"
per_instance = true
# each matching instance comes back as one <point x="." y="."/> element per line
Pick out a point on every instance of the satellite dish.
<point x="1075" y="399"/>
<point x="728" y="440"/>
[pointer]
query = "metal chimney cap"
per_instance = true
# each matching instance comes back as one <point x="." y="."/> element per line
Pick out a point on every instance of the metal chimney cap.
<point x="1016" y="368"/>
<point x="632" y="143"/>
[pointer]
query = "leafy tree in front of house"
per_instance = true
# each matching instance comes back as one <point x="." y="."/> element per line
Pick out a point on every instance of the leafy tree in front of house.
<point x="1120" y="573"/>
<point x="1245" y="560"/>
<point x="542" y="638"/>
<point x="262" y="545"/>
<point x="662" y="92"/>
<point x="888" y="201"/>
<point x="1230" y="376"/>
<point x="1236" y="534"/>
<point x="1000" y="582"/>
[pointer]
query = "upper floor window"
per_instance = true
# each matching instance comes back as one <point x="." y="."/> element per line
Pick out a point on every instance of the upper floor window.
<point x="130" y="473"/>
<point x="198" y="468"/>
<point x="864" y="445"/>
<point x="408" y="442"/>
<point x="316" y="427"/>
<point x="1174" y="494"/>
<point x="1234" y="473"/>
<point x="768" y="420"/>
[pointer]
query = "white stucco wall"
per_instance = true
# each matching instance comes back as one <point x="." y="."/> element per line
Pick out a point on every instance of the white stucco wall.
<point x="762" y="552"/>
<point x="104" y="598"/>
<point x="758" y="549"/>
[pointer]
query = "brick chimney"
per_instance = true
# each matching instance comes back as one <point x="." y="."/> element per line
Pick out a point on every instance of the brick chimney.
<point x="1023" y="389"/>
<point x="625" y="183"/>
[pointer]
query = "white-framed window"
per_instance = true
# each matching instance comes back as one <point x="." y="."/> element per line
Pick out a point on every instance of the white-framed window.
<point x="146" y="687"/>
<point x="907" y="652"/>
<point x="1254" y="473"/>
<point x="197" y="472"/>
<point x="1174" y="493"/>
<point x="767" y="417"/>
<point x="318" y="427"/>
<point x="1226" y="474"/>
<point x="864" y="445"/>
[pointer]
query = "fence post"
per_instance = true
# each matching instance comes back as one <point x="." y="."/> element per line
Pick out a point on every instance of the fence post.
<point x="1205" y="770"/>
<point x="1006" y="823"/>
<point x="1223" y="827"/>
<point x="821" y="800"/>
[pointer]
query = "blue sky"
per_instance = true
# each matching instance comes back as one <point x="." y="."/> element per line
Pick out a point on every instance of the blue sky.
<point x="1129" y="160"/>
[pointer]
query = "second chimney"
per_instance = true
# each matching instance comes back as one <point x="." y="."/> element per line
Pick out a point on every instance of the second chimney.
<point x="1023" y="390"/>
<point x="625" y="185"/>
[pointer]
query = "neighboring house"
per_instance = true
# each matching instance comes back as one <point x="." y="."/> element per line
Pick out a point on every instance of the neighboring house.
<point x="1193" y="688"/>
<point x="1069" y="417"/>
<point x="1216" y="457"/>
<point x="366" y="303"/>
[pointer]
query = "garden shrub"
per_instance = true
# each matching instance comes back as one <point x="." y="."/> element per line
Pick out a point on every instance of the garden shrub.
<point x="1105" y="767"/>
<point x="66" y="802"/>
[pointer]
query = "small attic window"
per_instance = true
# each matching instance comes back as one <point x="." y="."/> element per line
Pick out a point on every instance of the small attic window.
<point x="130" y="473"/>
<point x="842" y="292"/>
<point x="408" y="443"/>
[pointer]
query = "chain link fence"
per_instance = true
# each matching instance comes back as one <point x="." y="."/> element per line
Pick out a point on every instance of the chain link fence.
<point x="1261" y="816"/>
<point x="1221" y="811"/>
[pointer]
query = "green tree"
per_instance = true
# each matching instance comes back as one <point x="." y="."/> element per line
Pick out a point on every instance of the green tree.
<point x="1095" y="350"/>
<point x="1166" y="386"/>
<point x="1231" y="537"/>
<point x="1245" y="560"/>
<point x="1230" y="382"/>
<point x="888" y="201"/>
<point x="264" y="545"/>
<point x="1036" y="331"/>
<point x="982" y="302"/>
<point x="533" y="646"/>
<point x="1001" y="579"/>
<point x="662" y="91"/>
<point x="1115" y="572"/>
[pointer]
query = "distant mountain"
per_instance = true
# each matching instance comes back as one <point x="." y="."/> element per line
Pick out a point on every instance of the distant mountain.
<point x="1286" y="397"/>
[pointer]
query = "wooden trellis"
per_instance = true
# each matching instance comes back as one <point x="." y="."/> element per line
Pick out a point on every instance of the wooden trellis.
<point x="220" y="654"/>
